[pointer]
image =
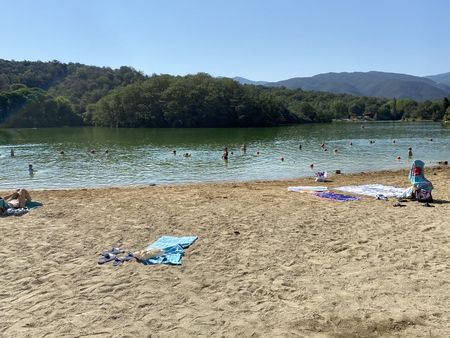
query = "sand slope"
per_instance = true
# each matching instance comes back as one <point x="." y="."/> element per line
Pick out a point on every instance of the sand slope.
<point x="299" y="266"/>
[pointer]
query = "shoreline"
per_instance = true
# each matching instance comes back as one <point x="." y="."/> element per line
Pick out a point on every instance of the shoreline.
<point x="309" y="179"/>
<point x="267" y="262"/>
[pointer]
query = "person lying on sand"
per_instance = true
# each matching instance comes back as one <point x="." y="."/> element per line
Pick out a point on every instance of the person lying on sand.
<point x="18" y="198"/>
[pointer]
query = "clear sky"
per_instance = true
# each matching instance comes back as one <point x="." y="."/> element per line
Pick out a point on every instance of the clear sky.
<point x="257" y="39"/>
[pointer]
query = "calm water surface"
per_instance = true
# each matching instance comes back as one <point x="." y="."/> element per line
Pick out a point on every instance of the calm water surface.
<point x="144" y="156"/>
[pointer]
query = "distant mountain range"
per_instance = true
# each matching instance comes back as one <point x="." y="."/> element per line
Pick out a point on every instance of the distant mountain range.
<point x="378" y="84"/>
<point x="440" y="78"/>
<point x="243" y="80"/>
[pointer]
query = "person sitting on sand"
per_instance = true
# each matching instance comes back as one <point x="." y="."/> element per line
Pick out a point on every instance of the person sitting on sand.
<point x="18" y="199"/>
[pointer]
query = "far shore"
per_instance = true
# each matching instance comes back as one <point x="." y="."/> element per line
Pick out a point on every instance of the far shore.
<point x="267" y="262"/>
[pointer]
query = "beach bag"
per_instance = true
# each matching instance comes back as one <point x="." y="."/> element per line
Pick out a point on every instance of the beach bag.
<point x="321" y="176"/>
<point x="422" y="195"/>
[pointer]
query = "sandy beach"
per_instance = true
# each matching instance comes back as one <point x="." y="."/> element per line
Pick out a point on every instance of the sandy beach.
<point x="268" y="262"/>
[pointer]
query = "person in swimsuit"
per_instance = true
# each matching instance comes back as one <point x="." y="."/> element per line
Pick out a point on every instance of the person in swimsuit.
<point x="18" y="198"/>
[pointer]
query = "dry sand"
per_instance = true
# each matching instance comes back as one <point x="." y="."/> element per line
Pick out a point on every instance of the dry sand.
<point x="299" y="266"/>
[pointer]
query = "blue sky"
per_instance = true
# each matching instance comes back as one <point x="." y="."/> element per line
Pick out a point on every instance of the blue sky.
<point x="257" y="39"/>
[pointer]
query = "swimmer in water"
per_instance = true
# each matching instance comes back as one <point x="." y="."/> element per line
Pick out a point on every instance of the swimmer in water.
<point x="31" y="171"/>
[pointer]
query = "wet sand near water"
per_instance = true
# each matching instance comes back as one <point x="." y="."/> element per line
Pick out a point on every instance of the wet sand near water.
<point x="268" y="262"/>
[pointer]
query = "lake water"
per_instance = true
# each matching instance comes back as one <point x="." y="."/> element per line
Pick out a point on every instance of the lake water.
<point x="144" y="156"/>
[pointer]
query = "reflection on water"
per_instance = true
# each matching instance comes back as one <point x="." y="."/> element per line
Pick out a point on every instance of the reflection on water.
<point x="145" y="156"/>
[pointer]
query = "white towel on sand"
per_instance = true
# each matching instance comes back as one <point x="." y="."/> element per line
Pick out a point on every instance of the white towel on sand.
<point x="373" y="190"/>
<point x="307" y="188"/>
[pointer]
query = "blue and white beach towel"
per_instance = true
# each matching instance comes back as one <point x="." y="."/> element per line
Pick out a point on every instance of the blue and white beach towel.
<point x="173" y="248"/>
<point x="336" y="197"/>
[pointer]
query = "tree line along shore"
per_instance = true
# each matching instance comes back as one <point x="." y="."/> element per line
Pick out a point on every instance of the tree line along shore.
<point x="54" y="94"/>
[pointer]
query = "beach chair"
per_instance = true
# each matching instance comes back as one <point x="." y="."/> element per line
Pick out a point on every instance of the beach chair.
<point x="421" y="186"/>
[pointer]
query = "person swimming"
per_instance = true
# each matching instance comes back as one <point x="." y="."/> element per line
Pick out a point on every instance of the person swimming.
<point x="31" y="171"/>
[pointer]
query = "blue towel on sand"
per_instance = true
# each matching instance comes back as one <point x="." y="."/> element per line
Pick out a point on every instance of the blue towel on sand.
<point x="336" y="197"/>
<point x="33" y="204"/>
<point x="173" y="248"/>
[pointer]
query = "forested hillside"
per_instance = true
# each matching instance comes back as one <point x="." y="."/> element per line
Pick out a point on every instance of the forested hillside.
<point x="377" y="84"/>
<point x="50" y="94"/>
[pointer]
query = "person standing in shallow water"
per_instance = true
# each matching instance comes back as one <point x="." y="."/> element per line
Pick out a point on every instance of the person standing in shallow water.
<point x="410" y="154"/>
<point x="12" y="152"/>
<point x="31" y="171"/>
<point x="225" y="154"/>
